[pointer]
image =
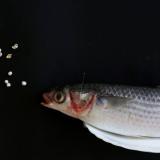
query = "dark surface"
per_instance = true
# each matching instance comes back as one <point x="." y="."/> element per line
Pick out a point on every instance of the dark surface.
<point x="58" y="41"/>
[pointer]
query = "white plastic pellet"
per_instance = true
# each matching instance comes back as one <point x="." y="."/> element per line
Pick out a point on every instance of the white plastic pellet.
<point x="24" y="83"/>
<point x="1" y="54"/>
<point x="6" y="81"/>
<point x="8" y="84"/>
<point x="10" y="73"/>
<point x="15" y="46"/>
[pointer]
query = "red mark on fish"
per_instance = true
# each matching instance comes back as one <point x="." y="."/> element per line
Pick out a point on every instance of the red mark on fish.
<point x="79" y="105"/>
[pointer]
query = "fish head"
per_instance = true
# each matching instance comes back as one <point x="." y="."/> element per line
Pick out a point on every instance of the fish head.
<point x="70" y="102"/>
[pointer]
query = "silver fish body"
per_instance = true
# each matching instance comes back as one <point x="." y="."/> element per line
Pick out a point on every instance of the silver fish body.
<point x="130" y="111"/>
<point x="121" y="115"/>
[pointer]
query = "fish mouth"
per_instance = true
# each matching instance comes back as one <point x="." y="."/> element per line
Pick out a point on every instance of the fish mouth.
<point x="46" y="99"/>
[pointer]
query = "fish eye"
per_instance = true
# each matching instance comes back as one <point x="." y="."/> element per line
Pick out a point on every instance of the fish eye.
<point x="59" y="97"/>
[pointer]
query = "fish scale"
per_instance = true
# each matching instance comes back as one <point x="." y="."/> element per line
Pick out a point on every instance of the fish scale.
<point x="134" y="92"/>
<point x="148" y="95"/>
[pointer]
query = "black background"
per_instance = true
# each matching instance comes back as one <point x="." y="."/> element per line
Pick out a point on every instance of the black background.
<point x="115" y="43"/>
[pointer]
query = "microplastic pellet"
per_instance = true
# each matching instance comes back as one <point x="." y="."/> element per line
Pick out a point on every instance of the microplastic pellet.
<point x="9" y="56"/>
<point x="10" y="73"/>
<point x="8" y="84"/>
<point x="6" y="81"/>
<point x="24" y="83"/>
<point x="15" y="46"/>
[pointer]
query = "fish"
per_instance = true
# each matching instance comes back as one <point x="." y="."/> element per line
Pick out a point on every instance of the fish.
<point x="124" y="116"/>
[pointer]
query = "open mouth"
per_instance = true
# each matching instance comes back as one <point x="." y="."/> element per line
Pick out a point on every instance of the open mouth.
<point x="46" y="98"/>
